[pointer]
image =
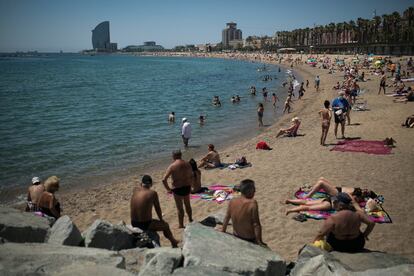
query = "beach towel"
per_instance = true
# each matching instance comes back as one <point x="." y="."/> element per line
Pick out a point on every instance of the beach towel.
<point x="263" y="145"/>
<point x="370" y="147"/>
<point x="379" y="216"/>
<point x="217" y="192"/>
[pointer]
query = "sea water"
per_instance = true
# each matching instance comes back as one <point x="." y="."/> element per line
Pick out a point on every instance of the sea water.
<point x="89" y="118"/>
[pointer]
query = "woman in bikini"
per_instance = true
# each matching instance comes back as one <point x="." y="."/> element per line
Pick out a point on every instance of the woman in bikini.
<point x="326" y="121"/>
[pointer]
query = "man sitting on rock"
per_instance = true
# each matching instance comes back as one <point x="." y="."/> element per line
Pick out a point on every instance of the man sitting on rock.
<point x="34" y="193"/>
<point x="343" y="228"/>
<point x="142" y="201"/>
<point x="244" y="214"/>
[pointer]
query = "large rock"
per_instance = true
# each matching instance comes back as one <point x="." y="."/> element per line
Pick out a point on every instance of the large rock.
<point x="47" y="259"/>
<point x="134" y="259"/>
<point x="215" y="218"/>
<point x="102" y="234"/>
<point x="201" y="271"/>
<point x="64" y="232"/>
<point x="88" y="269"/>
<point x="17" y="226"/>
<point x="314" y="261"/>
<point x="161" y="261"/>
<point x="204" y="246"/>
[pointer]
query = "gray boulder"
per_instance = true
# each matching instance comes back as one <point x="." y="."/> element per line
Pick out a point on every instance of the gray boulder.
<point x="314" y="261"/>
<point x="47" y="259"/>
<point x="161" y="261"/>
<point x="64" y="232"/>
<point x="134" y="259"/>
<point x="102" y="234"/>
<point x="204" y="246"/>
<point x="201" y="271"/>
<point x="215" y="218"/>
<point x="88" y="269"/>
<point x="17" y="226"/>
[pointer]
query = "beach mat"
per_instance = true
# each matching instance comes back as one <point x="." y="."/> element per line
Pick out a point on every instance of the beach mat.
<point x="380" y="216"/>
<point x="370" y="147"/>
<point x="226" y="193"/>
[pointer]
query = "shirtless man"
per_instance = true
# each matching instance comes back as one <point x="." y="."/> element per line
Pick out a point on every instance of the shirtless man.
<point x="342" y="230"/>
<point x="275" y="99"/>
<point x="287" y="104"/>
<point x="211" y="160"/>
<point x="142" y="201"/>
<point x="34" y="193"/>
<point x="244" y="214"/>
<point x="326" y="121"/>
<point x="182" y="178"/>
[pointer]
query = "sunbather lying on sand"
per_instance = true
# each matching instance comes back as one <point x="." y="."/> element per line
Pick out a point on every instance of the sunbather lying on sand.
<point x="357" y="195"/>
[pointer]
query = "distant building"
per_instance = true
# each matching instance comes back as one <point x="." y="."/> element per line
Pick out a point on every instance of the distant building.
<point x="101" y="41"/>
<point x="149" y="46"/>
<point x="231" y="33"/>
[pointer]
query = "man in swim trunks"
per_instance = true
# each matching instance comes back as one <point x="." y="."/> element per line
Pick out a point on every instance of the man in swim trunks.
<point x="142" y="201"/>
<point x="211" y="160"/>
<point x="182" y="177"/>
<point x="340" y="107"/>
<point x="34" y="193"/>
<point x="244" y="214"/>
<point x="343" y="228"/>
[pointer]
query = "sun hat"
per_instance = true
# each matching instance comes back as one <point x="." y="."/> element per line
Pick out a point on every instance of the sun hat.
<point x="342" y="197"/>
<point x="184" y="119"/>
<point x="295" y="119"/>
<point x="146" y="179"/>
<point x="35" y="180"/>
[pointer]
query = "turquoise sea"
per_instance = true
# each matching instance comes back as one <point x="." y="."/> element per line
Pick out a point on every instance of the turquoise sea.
<point x="91" y="119"/>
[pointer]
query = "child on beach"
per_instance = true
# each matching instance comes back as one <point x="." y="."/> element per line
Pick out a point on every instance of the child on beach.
<point x="274" y="100"/>
<point x="326" y="116"/>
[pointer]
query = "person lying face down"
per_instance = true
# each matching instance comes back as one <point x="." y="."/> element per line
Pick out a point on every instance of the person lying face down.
<point x="244" y="214"/>
<point x="342" y="229"/>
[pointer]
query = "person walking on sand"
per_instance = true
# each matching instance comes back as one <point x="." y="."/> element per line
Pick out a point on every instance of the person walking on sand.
<point x="326" y="116"/>
<point x="275" y="99"/>
<point x="142" y="201"/>
<point x="317" y="83"/>
<point x="260" y="112"/>
<point x="244" y="214"/>
<point x="287" y="104"/>
<point x="340" y="107"/>
<point x="383" y="82"/>
<point x="307" y="83"/>
<point x="301" y="91"/>
<point x="181" y="174"/>
<point x="186" y="131"/>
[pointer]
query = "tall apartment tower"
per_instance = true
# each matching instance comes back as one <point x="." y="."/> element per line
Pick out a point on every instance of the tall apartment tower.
<point x="231" y="33"/>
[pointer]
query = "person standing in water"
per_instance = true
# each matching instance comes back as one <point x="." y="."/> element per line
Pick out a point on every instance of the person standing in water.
<point x="186" y="131"/>
<point x="275" y="99"/>
<point x="260" y="112"/>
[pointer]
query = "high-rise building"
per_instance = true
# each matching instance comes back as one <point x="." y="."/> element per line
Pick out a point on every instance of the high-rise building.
<point x="231" y="33"/>
<point x="101" y="40"/>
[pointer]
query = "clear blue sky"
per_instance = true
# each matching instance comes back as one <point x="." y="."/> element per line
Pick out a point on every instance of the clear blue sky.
<point x="53" y="25"/>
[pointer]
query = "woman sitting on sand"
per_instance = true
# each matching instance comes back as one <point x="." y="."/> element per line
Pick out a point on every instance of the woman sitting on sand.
<point x="48" y="203"/>
<point x="292" y="130"/>
<point x="196" y="186"/>
<point x="357" y="195"/>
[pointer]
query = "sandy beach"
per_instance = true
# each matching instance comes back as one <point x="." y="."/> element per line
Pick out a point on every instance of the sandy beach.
<point x="292" y="163"/>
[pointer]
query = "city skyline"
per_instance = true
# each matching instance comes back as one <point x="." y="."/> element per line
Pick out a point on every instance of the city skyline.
<point x="51" y="26"/>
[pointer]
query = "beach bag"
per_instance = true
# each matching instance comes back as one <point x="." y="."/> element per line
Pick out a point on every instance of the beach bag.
<point x="263" y="146"/>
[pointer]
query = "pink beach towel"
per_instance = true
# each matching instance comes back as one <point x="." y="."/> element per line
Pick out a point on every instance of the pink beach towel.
<point x="380" y="216"/>
<point x="371" y="147"/>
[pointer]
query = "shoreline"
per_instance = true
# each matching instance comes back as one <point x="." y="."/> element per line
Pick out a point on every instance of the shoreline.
<point x="292" y="163"/>
<point x="15" y="195"/>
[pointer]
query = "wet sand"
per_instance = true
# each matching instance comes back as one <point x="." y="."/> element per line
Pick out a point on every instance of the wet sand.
<point x="292" y="163"/>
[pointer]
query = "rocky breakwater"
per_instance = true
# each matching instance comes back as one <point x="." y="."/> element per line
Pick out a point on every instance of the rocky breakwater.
<point x="29" y="246"/>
